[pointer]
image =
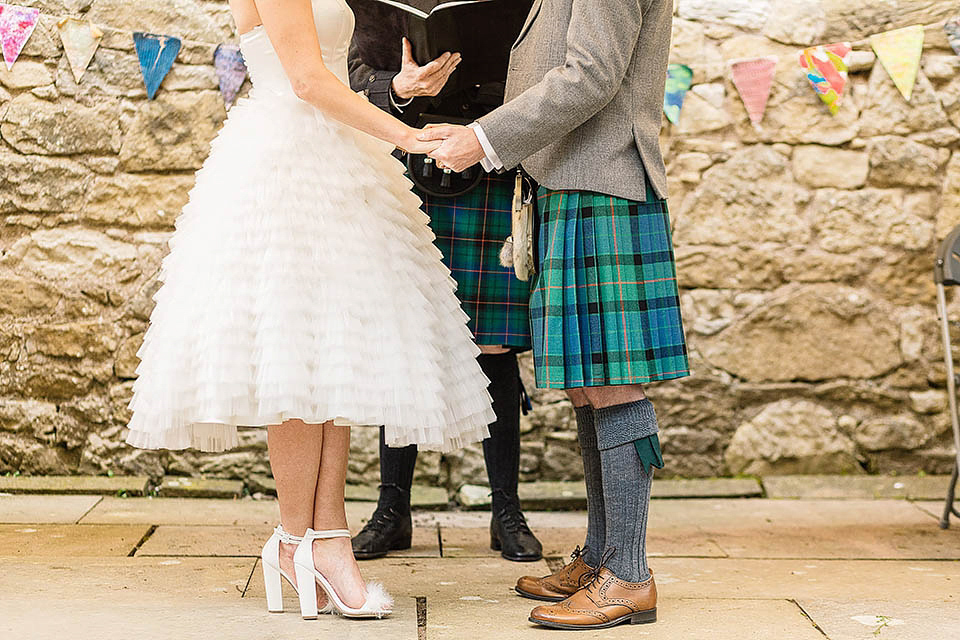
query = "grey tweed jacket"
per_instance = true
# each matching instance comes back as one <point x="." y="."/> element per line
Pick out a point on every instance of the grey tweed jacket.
<point x="585" y="96"/>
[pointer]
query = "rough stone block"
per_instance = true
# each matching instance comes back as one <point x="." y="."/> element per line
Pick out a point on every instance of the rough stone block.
<point x="93" y="485"/>
<point x="31" y="125"/>
<point x="818" y="166"/>
<point x="182" y="487"/>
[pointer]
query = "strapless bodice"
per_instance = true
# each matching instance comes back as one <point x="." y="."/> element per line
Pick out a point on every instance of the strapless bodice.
<point x="334" y="23"/>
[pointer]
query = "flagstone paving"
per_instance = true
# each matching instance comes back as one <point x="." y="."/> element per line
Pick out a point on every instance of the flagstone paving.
<point x="726" y="568"/>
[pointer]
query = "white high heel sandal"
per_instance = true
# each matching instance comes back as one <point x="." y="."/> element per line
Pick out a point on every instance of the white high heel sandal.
<point x="378" y="603"/>
<point x="272" y="573"/>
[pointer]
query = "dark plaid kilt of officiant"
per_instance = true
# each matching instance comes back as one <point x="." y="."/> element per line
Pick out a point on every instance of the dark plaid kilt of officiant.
<point x="605" y="305"/>
<point x="470" y="231"/>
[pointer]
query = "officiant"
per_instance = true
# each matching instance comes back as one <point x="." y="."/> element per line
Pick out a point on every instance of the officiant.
<point x="470" y="228"/>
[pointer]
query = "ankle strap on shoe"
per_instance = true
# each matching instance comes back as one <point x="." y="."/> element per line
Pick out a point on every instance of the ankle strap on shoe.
<point x="285" y="536"/>
<point x="326" y="535"/>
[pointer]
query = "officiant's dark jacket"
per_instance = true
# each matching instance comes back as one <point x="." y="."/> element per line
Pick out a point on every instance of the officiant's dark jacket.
<point x="375" y="84"/>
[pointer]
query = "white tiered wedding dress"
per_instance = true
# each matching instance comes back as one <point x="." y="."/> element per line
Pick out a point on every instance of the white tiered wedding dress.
<point x="302" y="282"/>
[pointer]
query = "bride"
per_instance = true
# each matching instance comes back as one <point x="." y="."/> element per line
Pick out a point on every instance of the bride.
<point x="303" y="293"/>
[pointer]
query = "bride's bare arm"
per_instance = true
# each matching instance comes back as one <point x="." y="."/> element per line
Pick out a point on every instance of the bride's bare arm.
<point x="290" y="27"/>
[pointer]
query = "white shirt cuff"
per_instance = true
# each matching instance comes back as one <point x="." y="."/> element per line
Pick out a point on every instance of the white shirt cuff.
<point x="492" y="161"/>
<point x="393" y="101"/>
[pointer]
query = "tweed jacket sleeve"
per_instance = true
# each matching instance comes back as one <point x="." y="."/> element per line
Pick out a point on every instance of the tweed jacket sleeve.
<point x="601" y="42"/>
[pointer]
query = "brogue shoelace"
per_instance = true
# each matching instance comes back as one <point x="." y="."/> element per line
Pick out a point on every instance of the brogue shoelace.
<point x="592" y="577"/>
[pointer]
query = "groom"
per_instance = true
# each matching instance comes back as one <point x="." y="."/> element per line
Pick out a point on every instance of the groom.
<point x="583" y="111"/>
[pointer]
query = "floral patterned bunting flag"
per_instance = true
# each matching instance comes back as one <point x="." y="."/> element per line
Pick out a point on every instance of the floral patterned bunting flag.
<point x="156" y="54"/>
<point x="899" y="51"/>
<point x="953" y="33"/>
<point x="753" y="78"/>
<point x="80" y="41"/>
<point x="231" y="70"/>
<point x="679" y="81"/>
<point x="16" y="26"/>
<point x="826" y="68"/>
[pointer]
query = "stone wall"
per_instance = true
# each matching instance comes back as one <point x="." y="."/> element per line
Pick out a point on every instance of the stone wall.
<point x="804" y="247"/>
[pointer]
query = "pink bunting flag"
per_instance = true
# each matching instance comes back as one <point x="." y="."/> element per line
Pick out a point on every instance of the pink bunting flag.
<point x="753" y="78"/>
<point x="16" y="26"/>
<point x="826" y="68"/>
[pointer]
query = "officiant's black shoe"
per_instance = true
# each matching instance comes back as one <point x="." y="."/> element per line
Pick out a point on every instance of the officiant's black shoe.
<point x="388" y="530"/>
<point x="510" y="535"/>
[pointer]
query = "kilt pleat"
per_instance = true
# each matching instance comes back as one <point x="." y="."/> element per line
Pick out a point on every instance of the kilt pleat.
<point x="605" y="308"/>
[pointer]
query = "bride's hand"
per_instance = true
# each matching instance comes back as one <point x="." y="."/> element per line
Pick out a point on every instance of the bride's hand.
<point x="412" y="145"/>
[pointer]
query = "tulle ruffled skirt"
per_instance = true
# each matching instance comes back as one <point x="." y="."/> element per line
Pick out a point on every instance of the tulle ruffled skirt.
<point x="302" y="282"/>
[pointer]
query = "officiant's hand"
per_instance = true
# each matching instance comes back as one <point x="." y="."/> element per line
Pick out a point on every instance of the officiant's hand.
<point x="414" y="80"/>
<point x="461" y="148"/>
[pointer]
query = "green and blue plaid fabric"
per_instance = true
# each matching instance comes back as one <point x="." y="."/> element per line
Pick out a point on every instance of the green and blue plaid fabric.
<point x="470" y="231"/>
<point x="605" y="308"/>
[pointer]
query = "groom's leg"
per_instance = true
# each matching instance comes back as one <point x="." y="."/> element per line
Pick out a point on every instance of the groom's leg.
<point x="596" y="537"/>
<point x="624" y="417"/>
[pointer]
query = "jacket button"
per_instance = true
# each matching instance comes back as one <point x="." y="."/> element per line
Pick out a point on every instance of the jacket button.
<point x="366" y="92"/>
<point x="373" y="78"/>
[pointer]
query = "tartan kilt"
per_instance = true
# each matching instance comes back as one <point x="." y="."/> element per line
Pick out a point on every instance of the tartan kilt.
<point x="471" y="230"/>
<point x="605" y="307"/>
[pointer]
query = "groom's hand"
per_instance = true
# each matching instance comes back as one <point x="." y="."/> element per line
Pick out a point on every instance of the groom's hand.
<point x="460" y="150"/>
<point x="414" y="80"/>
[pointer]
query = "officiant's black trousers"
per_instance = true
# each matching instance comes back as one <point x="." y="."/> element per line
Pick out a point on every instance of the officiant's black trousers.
<point x="501" y="451"/>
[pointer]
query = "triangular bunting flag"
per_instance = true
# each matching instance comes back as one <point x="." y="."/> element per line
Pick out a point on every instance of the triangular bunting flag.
<point x="753" y="78"/>
<point x="826" y="68"/>
<point x="80" y="41"/>
<point x="16" y="25"/>
<point x="232" y="71"/>
<point x="899" y="51"/>
<point x="953" y="33"/>
<point x="156" y="54"/>
<point x="679" y="81"/>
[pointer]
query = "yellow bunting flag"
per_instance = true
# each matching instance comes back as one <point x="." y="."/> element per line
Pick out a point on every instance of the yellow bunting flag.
<point x="80" y="41"/>
<point x="900" y="52"/>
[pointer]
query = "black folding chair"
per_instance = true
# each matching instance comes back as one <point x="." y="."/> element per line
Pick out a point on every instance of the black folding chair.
<point x="946" y="273"/>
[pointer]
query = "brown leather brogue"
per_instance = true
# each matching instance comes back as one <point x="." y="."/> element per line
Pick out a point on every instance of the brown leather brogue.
<point x="557" y="586"/>
<point x="605" y="602"/>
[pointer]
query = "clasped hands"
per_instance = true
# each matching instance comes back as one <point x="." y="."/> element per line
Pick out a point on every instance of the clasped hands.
<point x="452" y="146"/>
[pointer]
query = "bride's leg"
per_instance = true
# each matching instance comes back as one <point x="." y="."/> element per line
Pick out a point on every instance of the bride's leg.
<point x="334" y="557"/>
<point x="295" y="450"/>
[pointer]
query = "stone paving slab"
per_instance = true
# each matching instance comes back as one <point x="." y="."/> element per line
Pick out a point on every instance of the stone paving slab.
<point x="69" y="540"/>
<point x="184" y="487"/>
<point x="560" y="542"/>
<point x="183" y="511"/>
<point x="867" y="541"/>
<point x="247" y="541"/>
<point x="857" y="487"/>
<point x="852" y="580"/>
<point x="169" y="619"/>
<point x="64" y="485"/>
<point x="27" y="509"/>
<point x="784" y="514"/>
<point x="200" y="511"/>
<point x="886" y="619"/>
<point x="573" y="495"/>
<point x="468" y="598"/>
<point x="113" y="581"/>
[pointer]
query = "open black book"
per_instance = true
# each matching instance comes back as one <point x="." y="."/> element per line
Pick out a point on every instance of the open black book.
<point x="482" y="31"/>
